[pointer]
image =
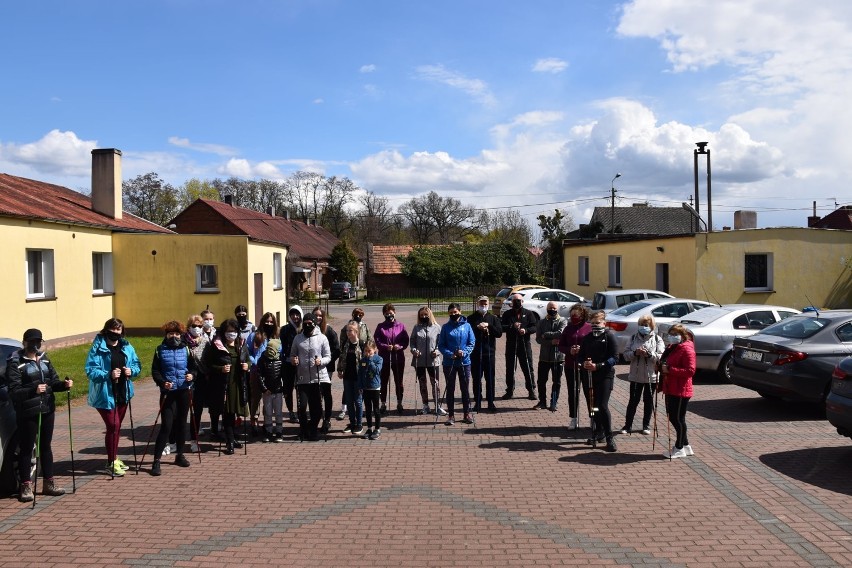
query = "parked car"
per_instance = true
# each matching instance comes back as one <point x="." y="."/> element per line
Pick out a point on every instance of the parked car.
<point x="341" y="291"/>
<point x="624" y="321"/>
<point x="536" y="300"/>
<point x="608" y="300"/>
<point x="715" y="328"/>
<point x="838" y="404"/>
<point x="507" y="291"/>
<point x="8" y="426"/>
<point x="794" y="358"/>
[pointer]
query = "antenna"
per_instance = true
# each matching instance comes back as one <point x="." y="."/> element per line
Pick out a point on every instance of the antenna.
<point x="715" y="301"/>
<point x="815" y="309"/>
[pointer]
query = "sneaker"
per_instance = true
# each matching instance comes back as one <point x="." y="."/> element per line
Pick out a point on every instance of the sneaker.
<point x="342" y="414"/>
<point x="369" y="434"/>
<point x="399" y="408"/>
<point x="676" y="453"/>
<point x="238" y="445"/>
<point x="279" y="437"/>
<point x="507" y="395"/>
<point x="384" y="409"/>
<point x="167" y="450"/>
<point x="552" y="408"/>
<point x="51" y="489"/>
<point x="267" y="437"/>
<point x="597" y="440"/>
<point x="376" y="433"/>
<point x="358" y="430"/>
<point x="114" y="469"/>
<point x="425" y="409"/>
<point x="121" y="464"/>
<point x="449" y="421"/>
<point x="348" y="429"/>
<point x="467" y="419"/>
<point x="625" y="430"/>
<point x="610" y="445"/>
<point x="441" y="411"/>
<point x="326" y="426"/>
<point x="531" y="395"/>
<point x="647" y="432"/>
<point x="26" y="492"/>
<point x="688" y="449"/>
<point x="539" y="406"/>
<point x="572" y="423"/>
<point x="155" y="468"/>
<point x="181" y="461"/>
<point x="193" y="447"/>
<point x="293" y="418"/>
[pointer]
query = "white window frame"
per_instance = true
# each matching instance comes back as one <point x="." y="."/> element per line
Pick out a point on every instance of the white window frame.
<point x="615" y="270"/>
<point x="39" y="274"/>
<point x="204" y="284"/>
<point x="583" y="270"/>
<point x="769" y="272"/>
<point x="102" y="281"/>
<point x="277" y="271"/>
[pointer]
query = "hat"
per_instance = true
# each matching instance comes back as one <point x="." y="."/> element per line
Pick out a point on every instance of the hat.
<point x="482" y="298"/>
<point x="32" y="335"/>
<point x="309" y="318"/>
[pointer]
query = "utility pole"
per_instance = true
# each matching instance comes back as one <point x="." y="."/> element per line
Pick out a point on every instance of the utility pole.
<point x="612" y="207"/>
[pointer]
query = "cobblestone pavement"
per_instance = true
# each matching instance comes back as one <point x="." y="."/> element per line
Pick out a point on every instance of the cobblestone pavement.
<point x="769" y="485"/>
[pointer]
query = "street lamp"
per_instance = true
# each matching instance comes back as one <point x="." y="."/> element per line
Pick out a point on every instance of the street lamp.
<point x="703" y="149"/>
<point x="612" y="207"/>
<point x="692" y="210"/>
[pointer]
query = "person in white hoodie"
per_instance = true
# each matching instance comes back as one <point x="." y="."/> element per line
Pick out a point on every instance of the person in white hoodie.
<point x="643" y="353"/>
<point x="288" y="332"/>
<point x="310" y="354"/>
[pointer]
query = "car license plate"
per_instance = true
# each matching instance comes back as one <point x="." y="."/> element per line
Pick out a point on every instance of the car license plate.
<point x="751" y="355"/>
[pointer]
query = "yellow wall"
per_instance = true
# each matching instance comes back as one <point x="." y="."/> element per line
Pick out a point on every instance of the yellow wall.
<point x="75" y="310"/>
<point x="260" y="261"/>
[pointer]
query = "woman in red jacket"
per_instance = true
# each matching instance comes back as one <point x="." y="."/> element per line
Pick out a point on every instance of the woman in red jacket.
<point x="677" y="365"/>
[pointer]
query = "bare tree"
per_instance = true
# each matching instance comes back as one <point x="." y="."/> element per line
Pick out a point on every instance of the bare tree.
<point x="433" y="218"/>
<point x="506" y="226"/>
<point x="338" y="193"/>
<point x="305" y="189"/>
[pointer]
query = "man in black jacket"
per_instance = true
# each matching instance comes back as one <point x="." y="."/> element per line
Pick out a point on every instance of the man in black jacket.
<point x="287" y="334"/>
<point x="486" y="329"/>
<point x="519" y="325"/>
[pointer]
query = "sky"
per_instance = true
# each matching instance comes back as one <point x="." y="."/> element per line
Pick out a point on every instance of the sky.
<point x="498" y="103"/>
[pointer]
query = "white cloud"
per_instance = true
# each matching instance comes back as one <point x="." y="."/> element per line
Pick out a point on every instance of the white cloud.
<point x="242" y="168"/>
<point x="550" y="65"/>
<point x="475" y="88"/>
<point x="218" y="149"/>
<point x="56" y="153"/>
<point x="367" y="68"/>
<point x="318" y="101"/>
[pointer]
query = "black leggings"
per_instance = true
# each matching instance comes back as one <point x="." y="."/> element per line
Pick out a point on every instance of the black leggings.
<point x="372" y="409"/>
<point x="639" y="391"/>
<point x="603" y="419"/>
<point x="28" y="429"/>
<point x="327" y="401"/>
<point x="174" y="411"/>
<point x="676" y="409"/>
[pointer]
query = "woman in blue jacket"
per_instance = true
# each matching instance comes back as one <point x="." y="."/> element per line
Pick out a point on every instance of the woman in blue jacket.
<point x="174" y="370"/>
<point x="456" y="342"/>
<point x="111" y="365"/>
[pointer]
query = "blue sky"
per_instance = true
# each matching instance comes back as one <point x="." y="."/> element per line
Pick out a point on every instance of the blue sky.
<point x="497" y="103"/>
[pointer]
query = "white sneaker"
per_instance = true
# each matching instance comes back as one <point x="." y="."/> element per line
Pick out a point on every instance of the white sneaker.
<point x="193" y="447"/>
<point x="441" y="411"/>
<point x="572" y="424"/>
<point x="342" y="414"/>
<point x="167" y="450"/>
<point x="624" y="431"/>
<point x="426" y="409"/>
<point x="676" y="453"/>
<point x="646" y="431"/>
<point x="688" y="449"/>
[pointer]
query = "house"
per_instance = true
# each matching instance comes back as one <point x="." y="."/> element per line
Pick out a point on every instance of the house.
<point x="309" y="245"/>
<point x="840" y="218"/>
<point x="59" y="259"/>
<point x="640" y="219"/>
<point x="384" y="271"/>
<point x="792" y="266"/>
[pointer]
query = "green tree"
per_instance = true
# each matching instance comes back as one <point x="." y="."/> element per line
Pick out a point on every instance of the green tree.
<point x="554" y="228"/>
<point x="343" y="258"/>
<point x="468" y="265"/>
<point x="151" y="198"/>
<point x="193" y="189"/>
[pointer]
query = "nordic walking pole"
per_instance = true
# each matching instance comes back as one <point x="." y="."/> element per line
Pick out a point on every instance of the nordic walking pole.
<point x="117" y="427"/>
<point x="656" y="401"/>
<point x="193" y="425"/>
<point x="71" y="441"/>
<point x="225" y="410"/>
<point x="592" y="408"/>
<point x="576" y="394"/>
<point x="132" y="433"/>
<point x="38" y="459"/>
<point x="151" y="435"/>
<point x="244" y="388"/>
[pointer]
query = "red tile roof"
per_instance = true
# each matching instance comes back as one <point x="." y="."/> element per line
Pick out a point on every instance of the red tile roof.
<point x="30" y="199"/>
<point x="837" y="219"/>
<point x="384" y="261"/>
<point x="205" y="216"/>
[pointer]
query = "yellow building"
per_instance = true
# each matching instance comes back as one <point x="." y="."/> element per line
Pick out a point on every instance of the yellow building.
<point x="793" y="267"/>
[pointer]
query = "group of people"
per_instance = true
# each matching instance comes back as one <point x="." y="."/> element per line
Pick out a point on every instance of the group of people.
<point x="233" y="368"/>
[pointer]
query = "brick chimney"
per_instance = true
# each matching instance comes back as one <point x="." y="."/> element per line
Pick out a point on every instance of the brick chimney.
<point x="106" y="182"/>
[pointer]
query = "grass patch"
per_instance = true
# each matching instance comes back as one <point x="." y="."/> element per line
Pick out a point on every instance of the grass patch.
<point x="71" y="362"/>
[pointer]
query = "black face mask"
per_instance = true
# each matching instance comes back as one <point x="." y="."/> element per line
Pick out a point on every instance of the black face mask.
<point x="551" y="313"/>
<point x="516" y="304"/>
<point x="269" y="330"/>
<point x="112" y="335"/>
<point x="32" y="346"/>
<point x="424" y="320"/>
<point x="357" y="319"/>
<point x="173" y="341"/>
<point x="389" y="317"/>
<point x="455" y="317"/>
<point x="309" y="328"/>
<point x="242" y="320"/>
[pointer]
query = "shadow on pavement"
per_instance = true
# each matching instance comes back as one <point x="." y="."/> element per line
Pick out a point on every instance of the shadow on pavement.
<point x="826" y="468"/>
<point x="755" y="410"/>
<point x="600" y="457"/>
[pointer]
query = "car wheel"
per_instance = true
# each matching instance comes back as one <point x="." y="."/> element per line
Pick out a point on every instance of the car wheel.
<point x="724" y="370"/>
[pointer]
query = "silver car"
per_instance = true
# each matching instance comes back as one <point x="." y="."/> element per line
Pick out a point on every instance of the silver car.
<point x="715" y="328"/>
<point x="623" y="322"/>
<point x="536" y="299"/>
<point x="609" y="300"/>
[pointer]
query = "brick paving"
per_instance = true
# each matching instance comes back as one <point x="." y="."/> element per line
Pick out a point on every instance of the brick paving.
<point x="769" y="485"/>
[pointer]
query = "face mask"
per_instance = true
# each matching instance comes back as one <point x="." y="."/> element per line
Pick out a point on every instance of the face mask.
<point x="242" y="320"/>
<point x="231" y="335"/>
<point x="389" y="317"/>
<point x="173" y="341"/>
<point x="195" y="331"/>
<point x="482" y="309"/>
<point x="33" y="346"/>
<point x="208" y="324"/>
<point x="644" y="330"/>
<point x="269" y="329"/>
<point x="424" y="320"/>
<point x="357" y="319"/>
<point x="516" y="304"/>
<point x="455" y="317"/>
<point x="308" y="327"/>
<point x="673" y="339"/>
<point x="551" y="313"/>
<point x="113" y="335"/>
<point x="576" y="320"/>
<point x="598" y="328"/>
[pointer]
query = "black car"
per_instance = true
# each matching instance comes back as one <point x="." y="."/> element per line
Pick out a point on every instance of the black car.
<point x="8" y="425"/>
<point x="341" y="291"/>
<point x="794" y="358"/>
<point x="838" y="404"/>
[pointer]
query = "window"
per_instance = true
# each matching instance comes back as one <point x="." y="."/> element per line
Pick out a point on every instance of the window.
<point x="40" y="283"/>
<point x="583" y="270"/>
<point x="276" y="271"/>
<point x="615" y="271"/>
<point x="206" y="278"/>
<point x="758" y="272"/>
<point x="754" y="320"/>
<point x="102" y="273"/>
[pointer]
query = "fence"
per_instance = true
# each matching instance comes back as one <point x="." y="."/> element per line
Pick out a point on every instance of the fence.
<point x="436" y="298"/>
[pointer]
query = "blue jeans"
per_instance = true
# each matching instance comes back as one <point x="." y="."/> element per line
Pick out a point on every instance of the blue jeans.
<point x="463" y="373"/>
<point x="353" y="400"/>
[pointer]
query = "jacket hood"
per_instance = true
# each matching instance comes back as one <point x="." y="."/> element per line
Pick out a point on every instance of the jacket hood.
<point x="301" y="315"/>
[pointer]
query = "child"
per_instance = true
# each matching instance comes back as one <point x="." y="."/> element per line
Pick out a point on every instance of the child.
<point x="255" y="347"/>
<point x="370" y="383"/>
<point x="269" y="374"/>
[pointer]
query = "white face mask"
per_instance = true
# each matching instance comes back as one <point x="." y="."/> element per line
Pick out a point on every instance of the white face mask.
<point x="195" y="331"/>
<point x="673" y="339"/>
<point x="482" y="309"/>
<point x="208" y="324"/>
<point x="231" y="335"/>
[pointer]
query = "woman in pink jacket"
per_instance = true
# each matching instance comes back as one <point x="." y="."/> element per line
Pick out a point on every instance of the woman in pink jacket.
<point x="392" y="339"/>
<point x="677" y="366"/>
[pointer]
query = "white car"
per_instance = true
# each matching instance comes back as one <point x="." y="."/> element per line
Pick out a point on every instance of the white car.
<point x="715" y="328"/>
<point x="624" y="322"/>
<point x="609" y="300"/>
<point x="536" y="299"/>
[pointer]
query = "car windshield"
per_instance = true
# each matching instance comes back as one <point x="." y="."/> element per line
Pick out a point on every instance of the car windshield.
<point x="796" y="328"/>
<point x="599" y="301"/>
<point x="704" y="315"/>
<point x="503" y="293"/>
<point x="630" y="309"/>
